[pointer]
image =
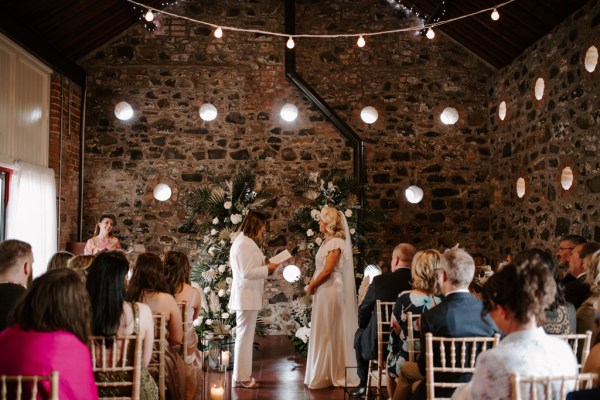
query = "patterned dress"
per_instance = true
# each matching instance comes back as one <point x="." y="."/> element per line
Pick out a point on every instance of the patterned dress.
<point x="96" y="245"/>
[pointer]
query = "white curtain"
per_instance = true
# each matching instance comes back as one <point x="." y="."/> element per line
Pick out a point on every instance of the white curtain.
<point x="31" y="211"/>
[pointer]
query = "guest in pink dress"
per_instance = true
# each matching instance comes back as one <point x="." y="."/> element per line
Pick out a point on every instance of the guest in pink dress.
<point x="52" y="323"/>
<point x="103" y="239"/>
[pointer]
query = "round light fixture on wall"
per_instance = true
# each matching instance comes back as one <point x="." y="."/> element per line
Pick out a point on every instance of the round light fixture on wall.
<point x="520" y="187"/>
<point x="414" y="194"/>
<point x="289" y="112"/>
<point x="591" y="59"/>
<point x="539" y="88"/>
<point x="162" y="192"/>
<point x="208" y="112"/>
<point x="291" y="273"/>
<point x="566" y="178"/>
<point x="369" y="115"/>
<point x="123" y="111"/>
<point x="502" y="111"/>
<point x="449" y="116"/>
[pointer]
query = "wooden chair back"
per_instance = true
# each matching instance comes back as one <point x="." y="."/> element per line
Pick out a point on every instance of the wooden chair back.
<point x="412" y="320"/>
<point x="117" y="362"/>
<point x="548" y="387"/>
<point x="384" y="327"/>
<point x="157" y="362"/>
<point x="17" y="386"/>
<point x="453" y="356"/>
<point x="581" y="344"/>
<point x="185" y="318"/>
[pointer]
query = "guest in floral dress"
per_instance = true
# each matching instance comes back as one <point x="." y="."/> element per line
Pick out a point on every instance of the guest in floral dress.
<point x="103" y="239"/>
<point x="422" y="297"/>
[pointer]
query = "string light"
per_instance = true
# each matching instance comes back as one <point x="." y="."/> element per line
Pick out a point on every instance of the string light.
<point x="219" y="33"/>
<point x="430" y="33"/>
<point x="361" y="41"/>
<point x="290" y="43"/>
<point x="149" y="16"/>
<point x="495" y="15"/>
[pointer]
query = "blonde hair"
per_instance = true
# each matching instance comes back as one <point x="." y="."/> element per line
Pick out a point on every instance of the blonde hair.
<point x="592" y="268"/>
<point x="333" y="220"/>
<point x="80" y="263"/>
<point x="424" y="271"/>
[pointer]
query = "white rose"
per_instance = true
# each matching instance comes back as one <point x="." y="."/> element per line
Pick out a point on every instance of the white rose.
<point x="227" y="205"/>
<point x="221" y="293"/>
<point x="207" y="290"/>
<point x="222" y="268"/>
<point x="215" y="221"/>
<point x="318" y="241"/>
<point x="315" y="214"/>
<point x="225" y="315"/>
<point x="309" y="233"/>
<point x="228" y="291"/>
<point x="348" y="213"/>
<point x="211" y="250"/>
<point x="352" y="231"/>
<point x="236" y="219"/>
<point x="209" y="322"/>
<point x="227" y="327"/>
<point x="311" y="245"/>
<point x="213" y="231"/>
<point x="228" y="280"/>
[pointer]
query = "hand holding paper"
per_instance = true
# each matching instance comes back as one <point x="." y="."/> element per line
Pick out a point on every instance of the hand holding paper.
<point x="281" y="257"/>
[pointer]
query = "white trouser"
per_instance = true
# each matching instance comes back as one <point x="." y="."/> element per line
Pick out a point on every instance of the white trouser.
<point x="244" y="340"/>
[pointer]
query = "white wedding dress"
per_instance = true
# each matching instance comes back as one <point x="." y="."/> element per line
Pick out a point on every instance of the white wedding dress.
<point x="333" y="323"/>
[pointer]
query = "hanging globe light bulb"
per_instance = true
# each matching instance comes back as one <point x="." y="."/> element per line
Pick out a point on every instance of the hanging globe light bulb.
<point x="218" y="33"/>
<point x="430" y="33"/>
<point x="149" y="16"/>
<point x="495" y="15"/>
<point x="360" y="42"/>
<point x="290" y="43"/>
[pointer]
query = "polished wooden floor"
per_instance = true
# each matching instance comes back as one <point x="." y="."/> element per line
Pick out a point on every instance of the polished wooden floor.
<point x="281" y="375"/>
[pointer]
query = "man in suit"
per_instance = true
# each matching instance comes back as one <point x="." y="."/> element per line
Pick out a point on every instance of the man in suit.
<point x="565" y="249"/>
<point x="385" y="287"/>
<point x="578" y="290"/>
<point x="16" y="267"/>
<point x="458" y="315"/>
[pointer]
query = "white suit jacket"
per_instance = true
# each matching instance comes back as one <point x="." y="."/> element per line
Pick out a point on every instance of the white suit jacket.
<point x="247" y="264"/>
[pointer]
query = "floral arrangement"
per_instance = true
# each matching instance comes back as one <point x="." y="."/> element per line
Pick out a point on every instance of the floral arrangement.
<point x="338" y="190"/>
<point x="215" y="214"/>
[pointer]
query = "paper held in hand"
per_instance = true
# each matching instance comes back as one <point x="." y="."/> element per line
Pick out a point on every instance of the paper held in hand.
<point x="281" y="257"/>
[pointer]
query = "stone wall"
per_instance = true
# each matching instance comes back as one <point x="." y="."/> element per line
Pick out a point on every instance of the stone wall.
<point x="539" y="138"/>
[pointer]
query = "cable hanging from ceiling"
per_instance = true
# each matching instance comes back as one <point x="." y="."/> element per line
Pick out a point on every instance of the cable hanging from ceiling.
<point x="148" y="11"/>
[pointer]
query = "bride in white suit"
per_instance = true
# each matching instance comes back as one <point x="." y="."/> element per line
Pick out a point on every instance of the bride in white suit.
<point x="249" y="271"/>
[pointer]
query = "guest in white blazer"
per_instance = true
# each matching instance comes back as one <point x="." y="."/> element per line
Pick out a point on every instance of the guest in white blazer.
<point x="249" y="271"/>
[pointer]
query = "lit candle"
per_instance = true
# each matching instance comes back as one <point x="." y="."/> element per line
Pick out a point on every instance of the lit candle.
<point x="225" y="358"/>
<point x="217" y="393"/>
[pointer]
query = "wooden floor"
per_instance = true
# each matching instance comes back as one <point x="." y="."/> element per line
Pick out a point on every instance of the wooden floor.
<point x="281" y="375"/>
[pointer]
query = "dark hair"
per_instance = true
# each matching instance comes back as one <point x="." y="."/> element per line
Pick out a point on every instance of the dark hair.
<point x="55" y="301"/>
<point x="525" y="289"/>
<point x="102" y="216"/>
<point x="147" y="275"/>
<point x="10" y="251"/>
<point x="106" y="287"/>
<point x="588" y="248"/>
<point x="59" y="260"/>
<point x="544" y="258"/>
<point x="177" y="271"/>
<point x="575" y="239"/>
<point x="252" y="224"/>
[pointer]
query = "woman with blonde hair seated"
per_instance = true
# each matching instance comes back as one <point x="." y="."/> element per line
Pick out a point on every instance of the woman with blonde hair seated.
<point x="586" y="313"/>
<point x="80" y="264"/>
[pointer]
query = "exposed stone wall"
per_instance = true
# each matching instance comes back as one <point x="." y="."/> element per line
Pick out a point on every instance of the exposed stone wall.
<point x="64" y="157"/>
<point x="539" y="138"/>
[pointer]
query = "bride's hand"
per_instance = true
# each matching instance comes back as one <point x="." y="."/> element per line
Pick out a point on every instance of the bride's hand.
<point x="309" y="290"/>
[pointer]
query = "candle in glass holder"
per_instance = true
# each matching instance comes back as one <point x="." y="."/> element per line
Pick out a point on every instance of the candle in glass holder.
<point x="225" y="358"/>
<point x="217" y="393"/>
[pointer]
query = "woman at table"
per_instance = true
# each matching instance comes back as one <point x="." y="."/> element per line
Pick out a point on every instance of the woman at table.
<point x="103" y="240"/>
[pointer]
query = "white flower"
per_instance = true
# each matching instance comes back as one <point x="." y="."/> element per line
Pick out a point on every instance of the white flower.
<point x="311" y="245"/>
<point x="207" y="290"/>
<point x="352" y="231"/>
<point x="222" y="268"/>
<point x="330" y="186"/>
<point x="313" y="176"/>
<point x="348" y="213"/>
<point x="221" y="293"/>
<point x="236" y="219"/>
<point x="225" y="315"/>
<point x="209" y="322"/>
<point x="215" y="221"/>
<point x="228" y="280"/>
<point x="227" y="205"/>
<point x="318" y="241"/>
<point x="303" y="333"/>
<point x="211" y="250"/>
<point x="244" y="211"/>
<point x="227" y="327"/>
<point x="310" y="232"/>
<point x="315" y="214"/>
<point x="213" y="232"/>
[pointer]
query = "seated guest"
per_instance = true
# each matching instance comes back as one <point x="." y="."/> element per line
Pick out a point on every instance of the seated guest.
<point x="559" y="317"/>
<point x="59" y="260"/>
<point x="177" y="271"/>
<point x="578" y="290"/>
<point x="586" y="314"/>
<point x="149" y="286"/>
<point x="421" y="298"/>
<point x="565" y="249"/>
<point x="51" y="331"/>
<point x="459" y="315"/>
<point x="384" y="287"/>
<point x="515" y="298"/>
<point x="112" y="315"/>
<point x="80" y="264"/>
<point x="16" y="267"/>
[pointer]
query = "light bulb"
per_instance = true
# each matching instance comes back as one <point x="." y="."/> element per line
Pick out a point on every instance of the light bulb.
<point x="369" y="115"/>
<point x="430" y="33"/>
<point x="289" y="112"/>
<point x="290" y="43"/>
<point x="218" y="33"/>
<point x="149" y="16"/>
<point x="162" y="192"/>
<point x="208" y="112"/>
<point x="414" y="194"/>
<point x="360" y="42"/>
<point x="495" y="15"/>
<point x="123" y="111"/>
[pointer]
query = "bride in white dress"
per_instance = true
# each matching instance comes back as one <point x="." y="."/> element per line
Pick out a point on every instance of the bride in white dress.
<point x="334" y="314"/>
